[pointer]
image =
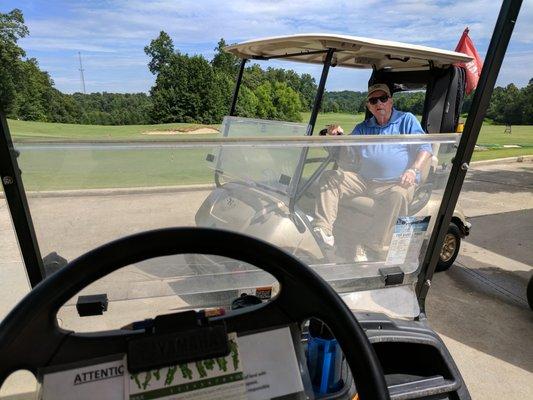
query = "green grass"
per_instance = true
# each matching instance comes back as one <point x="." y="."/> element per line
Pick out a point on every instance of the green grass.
<point x="501" y="153"/>
<point x="31" y="131"/>
<point x="347" y="121"/>
<point x="494" y="134"/>
<point x="66" y="169"/>
<point x="54" y="169"/>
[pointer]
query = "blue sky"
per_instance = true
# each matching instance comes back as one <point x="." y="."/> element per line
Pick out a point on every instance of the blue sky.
<point x="111" y="34"/>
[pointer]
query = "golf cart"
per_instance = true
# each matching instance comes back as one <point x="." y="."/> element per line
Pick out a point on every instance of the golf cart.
<point x="288" y="187"/>
<point x="132" y="315"/>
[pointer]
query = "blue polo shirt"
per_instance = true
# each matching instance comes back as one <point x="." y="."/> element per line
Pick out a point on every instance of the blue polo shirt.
<point x="388" y="161"/>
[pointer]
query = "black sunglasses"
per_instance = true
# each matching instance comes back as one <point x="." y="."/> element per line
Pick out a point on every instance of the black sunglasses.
<point x="374" y="100"/>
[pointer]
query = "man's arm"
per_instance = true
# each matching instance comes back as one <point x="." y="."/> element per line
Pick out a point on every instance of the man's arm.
<point x="408" y="178"/>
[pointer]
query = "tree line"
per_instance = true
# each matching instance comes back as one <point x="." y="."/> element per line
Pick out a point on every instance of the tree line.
<point x="193" y="89"/>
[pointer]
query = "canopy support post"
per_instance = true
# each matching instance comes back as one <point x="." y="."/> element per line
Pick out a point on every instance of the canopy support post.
<point x="237" y="87"/>
<point x="18" y="206"/>
<point x="295" y="195"/>
<point x="320" y="91"/>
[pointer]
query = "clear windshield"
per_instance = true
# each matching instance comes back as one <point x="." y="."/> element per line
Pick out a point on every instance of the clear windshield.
<point x="82" y="195"/>
<point x="262" y="167"/>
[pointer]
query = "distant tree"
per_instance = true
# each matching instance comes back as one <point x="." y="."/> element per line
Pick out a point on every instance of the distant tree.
<point x="187" y="89"/>
<point x="286" y="103"/>
<point x="247" y="103"/>
<point x="307" y="90"/>
<point x="278" y="101"/>
<point x="265" y="106"/>
<point x="343" y="101"/>
<point x="221" y="95"/>
<point x="223" y="61"/>
<point x="253" y="77"/>
<point x="12" y="29"/>
<point x="527" y="111"/>
<point x="507" y="105"/>
<point x="161" y="51"/>
<point x="33" y="93"/>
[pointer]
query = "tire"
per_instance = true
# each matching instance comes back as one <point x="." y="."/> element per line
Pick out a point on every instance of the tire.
<point x="450" y="248"/>
<point x="529" y="293"/>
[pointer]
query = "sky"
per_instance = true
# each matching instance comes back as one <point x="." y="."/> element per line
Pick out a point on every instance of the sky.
<point x="111" y="34"/>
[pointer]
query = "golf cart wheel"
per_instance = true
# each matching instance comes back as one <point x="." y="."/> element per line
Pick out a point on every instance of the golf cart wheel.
<point x="450" y="248"/>
<point x="529" y="293"/>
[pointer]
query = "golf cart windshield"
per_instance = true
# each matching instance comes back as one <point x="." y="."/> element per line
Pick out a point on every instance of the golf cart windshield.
<point x="82" y="195"/>
<point x="262" y="167"/>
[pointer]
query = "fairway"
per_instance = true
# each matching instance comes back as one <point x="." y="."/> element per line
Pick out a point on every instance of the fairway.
<point x="101" y="167"/>
<point x="28" y="131"/>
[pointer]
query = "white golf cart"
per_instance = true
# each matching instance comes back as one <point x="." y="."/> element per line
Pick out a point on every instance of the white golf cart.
<point x="288" y="188"/>
<point x="132" y="316"/>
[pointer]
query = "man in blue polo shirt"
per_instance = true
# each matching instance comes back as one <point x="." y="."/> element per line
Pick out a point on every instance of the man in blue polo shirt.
<point x="386" y="172"/>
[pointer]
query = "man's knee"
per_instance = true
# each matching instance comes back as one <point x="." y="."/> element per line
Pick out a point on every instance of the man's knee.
<point x="397" y="196"/>
<point x="400" y="193"/>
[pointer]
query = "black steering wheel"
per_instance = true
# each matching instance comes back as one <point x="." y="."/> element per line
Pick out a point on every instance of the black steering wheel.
<point x="31" y="339"/>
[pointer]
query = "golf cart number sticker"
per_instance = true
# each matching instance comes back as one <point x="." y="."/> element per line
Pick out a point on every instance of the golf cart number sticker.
<point x="216" y="378"/>
<point x="407" y="239"/>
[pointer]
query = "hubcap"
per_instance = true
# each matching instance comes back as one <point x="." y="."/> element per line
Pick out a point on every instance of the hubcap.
<point x="448" y="248"/>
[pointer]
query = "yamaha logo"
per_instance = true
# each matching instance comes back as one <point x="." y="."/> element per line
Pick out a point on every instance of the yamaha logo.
<point x="230" y="203"/>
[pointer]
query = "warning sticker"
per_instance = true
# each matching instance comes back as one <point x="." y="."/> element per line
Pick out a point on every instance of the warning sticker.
<point x="409" y="234"/>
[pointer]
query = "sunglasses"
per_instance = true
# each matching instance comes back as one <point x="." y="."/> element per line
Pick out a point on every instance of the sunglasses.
<point x="374" y="100"/>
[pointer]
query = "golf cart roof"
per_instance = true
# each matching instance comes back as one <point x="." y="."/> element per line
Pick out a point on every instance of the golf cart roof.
<point x="351" y="51"/>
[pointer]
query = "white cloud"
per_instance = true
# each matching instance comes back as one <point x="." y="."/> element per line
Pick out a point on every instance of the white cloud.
<point x="64" y="44"/>
<point x="123" y="28"/>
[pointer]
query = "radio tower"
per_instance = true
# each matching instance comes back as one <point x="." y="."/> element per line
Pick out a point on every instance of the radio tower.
<point x="81" y="73"/>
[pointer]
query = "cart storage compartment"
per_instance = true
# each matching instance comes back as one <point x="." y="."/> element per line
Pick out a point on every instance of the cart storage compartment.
<point x="415" y="370"/>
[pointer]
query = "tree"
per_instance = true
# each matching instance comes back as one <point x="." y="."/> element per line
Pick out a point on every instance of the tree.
<point x="265" y="106"/>
<point x="223" y="61"/>
<point x="307" y="89"/>
<point x="12" y="29"/>
<point x="286" y="103"/>
<point x="507" y="105"/>
<point x="247" y="103"/>
<point x="161" y="50"/>
<point x="33" y="93"/>
<point x="277" y="101"/>
<point x="527" y="111"/>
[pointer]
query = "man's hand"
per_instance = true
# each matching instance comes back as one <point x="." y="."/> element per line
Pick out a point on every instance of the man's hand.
<point x="408" y="178"/>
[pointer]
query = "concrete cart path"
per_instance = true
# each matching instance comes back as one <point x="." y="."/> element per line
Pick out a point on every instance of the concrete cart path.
<point x="478" y="307"/>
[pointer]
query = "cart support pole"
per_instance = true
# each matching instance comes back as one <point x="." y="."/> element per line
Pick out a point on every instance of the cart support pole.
<point x="237" y="87"/>
<point x="18" y="206"/>
<point x="312" y="120"/>
<point x="495" y="54"/>
<point x="320" y="91"/>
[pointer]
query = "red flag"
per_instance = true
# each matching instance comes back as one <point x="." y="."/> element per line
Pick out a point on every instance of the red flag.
<point x="472" y="68"/>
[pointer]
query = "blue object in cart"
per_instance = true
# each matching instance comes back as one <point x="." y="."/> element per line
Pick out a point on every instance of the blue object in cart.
<point x="324" y="360"/>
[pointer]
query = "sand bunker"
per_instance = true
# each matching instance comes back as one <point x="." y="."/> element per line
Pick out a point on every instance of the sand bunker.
<point x="184" y="131"/>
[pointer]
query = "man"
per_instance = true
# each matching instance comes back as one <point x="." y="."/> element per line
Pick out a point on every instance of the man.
<point x="386" y="172"/>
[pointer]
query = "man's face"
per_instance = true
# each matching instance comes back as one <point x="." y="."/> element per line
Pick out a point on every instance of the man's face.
<point x="380" y="110"/>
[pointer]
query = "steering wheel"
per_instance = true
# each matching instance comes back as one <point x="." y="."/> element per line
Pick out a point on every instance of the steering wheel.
<point x="31" y="339"/>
